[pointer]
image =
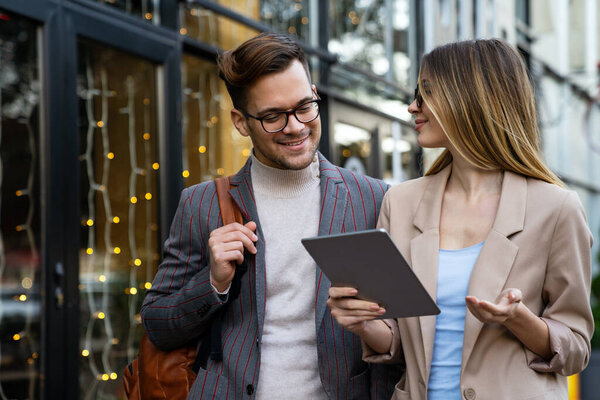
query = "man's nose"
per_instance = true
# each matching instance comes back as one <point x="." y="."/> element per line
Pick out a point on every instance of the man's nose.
<point x="293" y="125"/>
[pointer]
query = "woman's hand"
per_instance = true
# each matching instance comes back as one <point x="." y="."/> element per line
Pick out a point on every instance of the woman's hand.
<point x="503" y="310"/>
<point x="351" y="313"/>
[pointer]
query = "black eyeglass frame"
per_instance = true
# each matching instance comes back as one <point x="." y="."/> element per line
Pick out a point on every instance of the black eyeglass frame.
<point x="418" y="97"/>
<point x="287" y="114"/>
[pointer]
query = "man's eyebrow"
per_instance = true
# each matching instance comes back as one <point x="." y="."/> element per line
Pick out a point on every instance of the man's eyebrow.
<point x="275" y="109"/>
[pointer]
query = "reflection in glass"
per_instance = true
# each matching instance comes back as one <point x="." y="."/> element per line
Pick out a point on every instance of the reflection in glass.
<point x="20" y="297"/>
<point x="352" y="147"/>
<point x="146" y="9"/>
<point x="119" y="210"/>
<point x="289" y="16"/>
<point x="209" y="27"/>
<point x="211" y="145"/>
<point x="372" y="34"/>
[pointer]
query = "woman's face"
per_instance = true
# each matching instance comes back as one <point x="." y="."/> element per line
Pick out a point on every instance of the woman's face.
<point x="430" y="132"/>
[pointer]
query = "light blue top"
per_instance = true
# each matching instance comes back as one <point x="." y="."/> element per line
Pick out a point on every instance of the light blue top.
<point x="454" y="270"/>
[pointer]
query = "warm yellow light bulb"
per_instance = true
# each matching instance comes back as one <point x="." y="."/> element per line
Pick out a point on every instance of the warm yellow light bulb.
<point x="90" y="222"/>
<point x="220" y="171"/>
<point x="185" y="173"/>
<point x="110" y="155"/>
<point x="246" y="152"/>
<point x="105" y="377"/>
<point x="133" y="199"/>
<point x="155" y="166"/>
<point x="85" y="352"/>
<point x="148" y="196"/>
<point x="101" y="315"/>
<point x="117" y="250"/>
<point x="133" y="290"/>
<point x="146" y="136"/>
<point x="102" y="278"/>
<point x="16" y="337"/>
<point x="202" y="149"/>
<point x="18" y="193"/>
<point x="116" y="220"/>
<point x="113" y="375"/>
<point x="147" y="285"/>
<point x="137" y="262"/>
<point x="23" y="297"/>
<point x="148" y="16"/>
<point x="90" y="251"/>
<point x="183" y="31"/>
<point x="100" y="124"/>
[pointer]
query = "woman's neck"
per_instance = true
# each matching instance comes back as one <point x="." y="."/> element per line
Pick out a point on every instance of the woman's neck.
<point x="471" y="181"/>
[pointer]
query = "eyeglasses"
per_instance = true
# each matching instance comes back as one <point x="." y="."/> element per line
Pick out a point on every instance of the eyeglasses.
<point x="418" y="97"/>
<point x="274" y="122"/>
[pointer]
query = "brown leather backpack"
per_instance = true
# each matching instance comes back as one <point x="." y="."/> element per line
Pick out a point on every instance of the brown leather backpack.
<point x="168" y="375"/>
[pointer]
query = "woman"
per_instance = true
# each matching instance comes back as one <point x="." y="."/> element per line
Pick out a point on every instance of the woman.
<point x="489" y="229"/>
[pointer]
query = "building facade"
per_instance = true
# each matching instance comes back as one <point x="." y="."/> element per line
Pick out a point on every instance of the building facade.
<point x="109" y="108"/>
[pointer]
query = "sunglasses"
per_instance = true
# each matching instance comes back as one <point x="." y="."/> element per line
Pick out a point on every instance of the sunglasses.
<point x="418" y="97"/>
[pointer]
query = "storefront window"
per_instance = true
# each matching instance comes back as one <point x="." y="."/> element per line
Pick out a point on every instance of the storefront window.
<point x="209" y="27"/>
<point x="146" y="9"/>
<point x="119" y="210"/>
<point x="291" y="16"/>
<point x="211" y="145"/>
<point x="20" y="298"/>
<point x="373" y="35"/>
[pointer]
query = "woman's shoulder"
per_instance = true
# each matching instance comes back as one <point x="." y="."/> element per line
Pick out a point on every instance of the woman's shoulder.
<point x="409" y="188"/>
<point x="552" y="197"/>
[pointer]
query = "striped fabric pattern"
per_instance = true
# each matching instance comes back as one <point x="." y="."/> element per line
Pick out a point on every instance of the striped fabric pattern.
<point x="179" y="306"/>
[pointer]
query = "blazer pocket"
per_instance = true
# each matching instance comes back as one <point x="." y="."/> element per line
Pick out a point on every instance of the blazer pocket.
<point x="359" y="386"/>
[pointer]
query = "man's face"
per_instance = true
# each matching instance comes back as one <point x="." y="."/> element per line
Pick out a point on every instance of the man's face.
<point x="295" y="146"/>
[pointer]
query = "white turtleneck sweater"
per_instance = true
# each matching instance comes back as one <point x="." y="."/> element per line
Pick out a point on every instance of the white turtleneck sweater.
<point x="288" y="205"/>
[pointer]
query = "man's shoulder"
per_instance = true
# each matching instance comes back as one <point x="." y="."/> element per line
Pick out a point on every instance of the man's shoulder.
<point x="354" y="179"/>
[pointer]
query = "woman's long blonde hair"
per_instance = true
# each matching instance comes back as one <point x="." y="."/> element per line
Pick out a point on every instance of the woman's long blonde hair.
<point x="480" y="93"/>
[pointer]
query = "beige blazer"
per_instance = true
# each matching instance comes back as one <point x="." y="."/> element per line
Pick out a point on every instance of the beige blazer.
<point x="539" y="243"/>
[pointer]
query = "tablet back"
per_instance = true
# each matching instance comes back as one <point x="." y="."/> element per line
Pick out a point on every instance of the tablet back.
<point x="371" y="262"/>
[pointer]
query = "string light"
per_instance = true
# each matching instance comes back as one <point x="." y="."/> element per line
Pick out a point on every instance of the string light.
<point x="90" y="222"/>
<point x="22" y="297"/>
<point x="133" y="290"/>
<point x="100" y="124"/>
<point x="16" y="337"/>
<point x="18" y="193"/>
<point x="90" y="251"/>
<point x="133" y="199"/>
<point x="146" y="136"/>
<point x="101" y="315"/>
<point x="110" y="155"/>
<point x="148" y="196"/>
<point x="202" y="149"/>
<point x="137" y="262"/>
<point x="113" y="375"/>
<point x="116" y="220"/>
<point x="85" y="352"/>
<point x="117" y="250"/>
<point x="102" y="278"/>
<point x="148" y="16"/>
<point x="105" y="377"/>
<point x="148" y="285"/>
<point x="155" y="166"/>
<point x="185" y="173"/>
<point x="183" y="31"/>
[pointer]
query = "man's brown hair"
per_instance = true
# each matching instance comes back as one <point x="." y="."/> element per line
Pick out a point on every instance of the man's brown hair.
<point x="264" y="54"/>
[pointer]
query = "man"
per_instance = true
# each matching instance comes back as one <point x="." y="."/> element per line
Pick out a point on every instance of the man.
<point x="255" y="282"/>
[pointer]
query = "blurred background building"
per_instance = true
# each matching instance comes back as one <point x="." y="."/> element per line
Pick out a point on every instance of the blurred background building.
<point x="109" y="108"/>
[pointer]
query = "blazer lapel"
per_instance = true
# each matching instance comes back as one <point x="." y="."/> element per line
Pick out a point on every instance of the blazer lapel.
<point x="497" y="255"/>
<point x="243" y="195"/>
<point x="334" y="199"/>
<point x="424" y="253"/>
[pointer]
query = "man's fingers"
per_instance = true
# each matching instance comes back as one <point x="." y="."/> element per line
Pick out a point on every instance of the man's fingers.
<point x="247" y="229"/>
<point x="232" y="237"/>
<point x="339" y="292"/>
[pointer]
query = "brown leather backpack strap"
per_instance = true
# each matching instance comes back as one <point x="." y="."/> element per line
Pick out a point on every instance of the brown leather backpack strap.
<point x="230" y="212"/>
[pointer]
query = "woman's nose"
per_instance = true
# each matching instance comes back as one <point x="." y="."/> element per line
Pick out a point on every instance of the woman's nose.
<point x="413" y="107"/>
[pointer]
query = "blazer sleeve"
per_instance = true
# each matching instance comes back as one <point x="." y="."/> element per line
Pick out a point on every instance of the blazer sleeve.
<point x="395" y="353"/>
<point x="181" y="301"/>
<point x="566" y="292"/>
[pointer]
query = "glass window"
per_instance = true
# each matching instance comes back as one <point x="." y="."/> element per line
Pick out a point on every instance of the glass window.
<point x="287" y="16"/>
<point x="372" y="34"/>
<point x="119" y="210"/>
<point x="211" y="145"/>
<point x="206" y="26"/>
<point x="20" y="297"/>
<point x="146" y="9"/>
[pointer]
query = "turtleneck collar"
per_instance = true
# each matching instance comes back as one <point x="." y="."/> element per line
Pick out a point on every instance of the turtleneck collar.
<point x="283" y="183"/>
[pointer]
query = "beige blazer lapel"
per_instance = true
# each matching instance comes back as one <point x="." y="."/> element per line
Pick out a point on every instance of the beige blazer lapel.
<point x="424" y="254"/>
<point x="497" y="255"/>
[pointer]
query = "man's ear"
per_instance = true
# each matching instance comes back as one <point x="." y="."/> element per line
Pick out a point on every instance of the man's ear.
<point x="240" y="122"/>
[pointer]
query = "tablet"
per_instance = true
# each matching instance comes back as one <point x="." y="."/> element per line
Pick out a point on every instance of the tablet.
<point x="370" y="262"/>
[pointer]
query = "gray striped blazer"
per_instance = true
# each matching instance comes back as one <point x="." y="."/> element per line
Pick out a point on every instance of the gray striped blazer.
<point x="179" y="306"/>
